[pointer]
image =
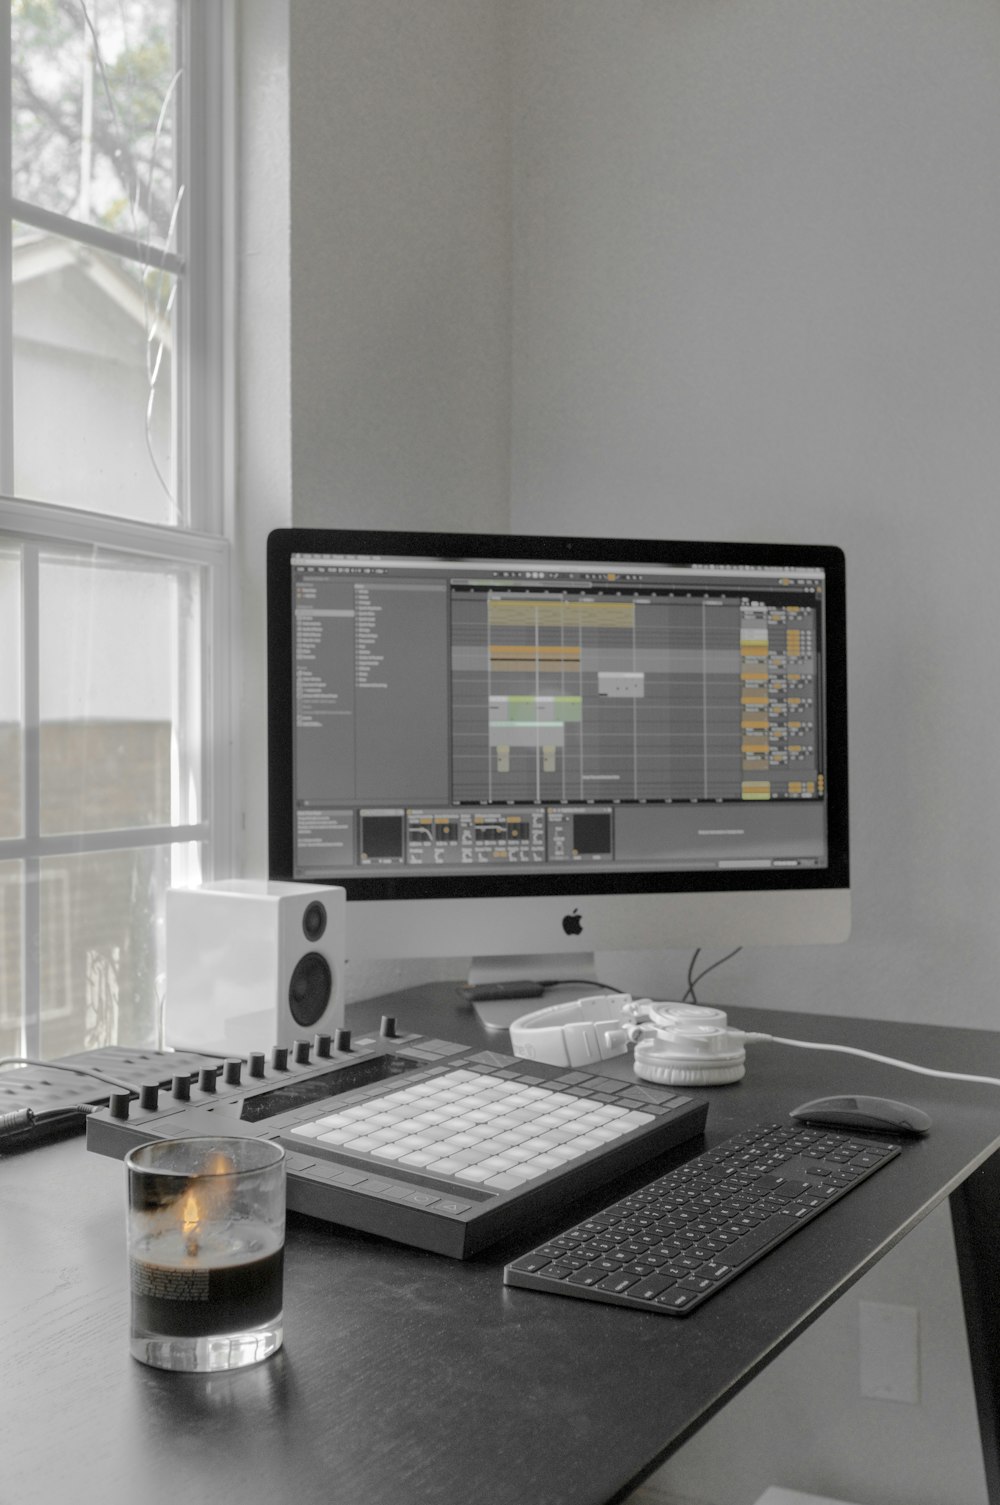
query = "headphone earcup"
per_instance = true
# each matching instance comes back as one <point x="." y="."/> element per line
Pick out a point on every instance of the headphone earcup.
<point x="669" y="1075"/>
<point x="691" y="1055"/>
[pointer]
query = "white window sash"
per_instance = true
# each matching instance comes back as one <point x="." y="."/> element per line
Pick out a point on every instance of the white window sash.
<point x="43" y="522"/>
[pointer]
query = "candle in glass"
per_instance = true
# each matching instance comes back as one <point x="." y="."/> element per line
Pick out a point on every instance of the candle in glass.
<point x="206" y="1251"/>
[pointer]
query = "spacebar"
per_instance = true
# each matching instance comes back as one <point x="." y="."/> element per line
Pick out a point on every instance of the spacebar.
<point x="768" y="1232"/>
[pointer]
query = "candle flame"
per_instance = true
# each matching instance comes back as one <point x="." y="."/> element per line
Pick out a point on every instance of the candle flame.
<point x="204" y="1200"/>
<point x="190" y="1221"/>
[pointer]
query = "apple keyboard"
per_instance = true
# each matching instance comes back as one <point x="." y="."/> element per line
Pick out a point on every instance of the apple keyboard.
<point x="674" y="1243"/>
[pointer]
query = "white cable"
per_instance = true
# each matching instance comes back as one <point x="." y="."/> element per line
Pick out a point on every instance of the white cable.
<point x="852" y="1050"/>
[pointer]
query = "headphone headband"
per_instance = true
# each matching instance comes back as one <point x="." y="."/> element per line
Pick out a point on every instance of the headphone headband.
<point x="576" y="1033"/>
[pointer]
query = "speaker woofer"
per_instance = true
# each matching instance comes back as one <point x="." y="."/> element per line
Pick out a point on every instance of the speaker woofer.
<point x="310" y="988"/>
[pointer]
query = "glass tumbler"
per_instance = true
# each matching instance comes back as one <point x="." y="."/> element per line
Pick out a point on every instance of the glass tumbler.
<point x="206" y="1244"/>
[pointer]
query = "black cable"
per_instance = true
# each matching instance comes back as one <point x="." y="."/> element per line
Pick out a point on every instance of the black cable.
<point x="591" y="982"/>
<point x="51" y="1114"/>
<point x="691" y="996"/>
<point x="525" y="988"/>
<point x="22" y="1128"/>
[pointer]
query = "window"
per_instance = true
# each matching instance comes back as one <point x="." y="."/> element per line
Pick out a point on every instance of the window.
<point x="114" y="583"/>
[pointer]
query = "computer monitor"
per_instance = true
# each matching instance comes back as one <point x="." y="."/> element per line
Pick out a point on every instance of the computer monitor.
<point x="527" y="749"/>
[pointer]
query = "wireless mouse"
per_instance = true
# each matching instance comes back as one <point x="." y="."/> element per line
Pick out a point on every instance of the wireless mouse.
<point x="880" y="1113"/>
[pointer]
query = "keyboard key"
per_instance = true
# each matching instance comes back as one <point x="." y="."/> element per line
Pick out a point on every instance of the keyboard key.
<point x="588" y="1276"/>
<point x="531" y="1263"/>
<point x="617" y="1284"/>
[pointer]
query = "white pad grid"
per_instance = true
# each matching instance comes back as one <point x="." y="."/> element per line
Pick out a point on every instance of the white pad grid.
<point x="474" y="1129"/>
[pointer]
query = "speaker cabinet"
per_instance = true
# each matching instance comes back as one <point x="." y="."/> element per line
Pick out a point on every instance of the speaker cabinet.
<point x="253" y="964"/>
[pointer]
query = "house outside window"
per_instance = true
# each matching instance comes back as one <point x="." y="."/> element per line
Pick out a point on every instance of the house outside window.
<point x="114" y="474"/>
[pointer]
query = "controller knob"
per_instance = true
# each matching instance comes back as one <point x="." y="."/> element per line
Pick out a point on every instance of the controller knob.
<point x="301" y="1051"/>
<point x="180" y="1088"/>
<point x="342" y="1040"/>
<point x="118" y="1104"/>
<point x="321" y="1045"/>
<point x="231" y="1073"/>
<point x="256" y="1063"/>
<point x="149" y="1096"/>
<point x="279" y="1058"/>
<point x="207" y="1079"/>
<point x="388" y="1027"/>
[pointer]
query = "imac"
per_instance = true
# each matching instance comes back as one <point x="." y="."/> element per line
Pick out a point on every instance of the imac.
<point x="527" y="749"/>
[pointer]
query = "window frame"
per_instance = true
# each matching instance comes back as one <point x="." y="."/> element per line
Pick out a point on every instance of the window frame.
<point x="201" y="535"/>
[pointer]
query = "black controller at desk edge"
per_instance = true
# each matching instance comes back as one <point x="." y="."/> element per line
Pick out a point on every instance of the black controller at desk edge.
<point x="51" y="1099"/>
<point x="264" y="1096"/>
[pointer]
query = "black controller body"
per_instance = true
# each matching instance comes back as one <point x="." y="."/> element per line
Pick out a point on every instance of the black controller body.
<point x="270" y="1096"/>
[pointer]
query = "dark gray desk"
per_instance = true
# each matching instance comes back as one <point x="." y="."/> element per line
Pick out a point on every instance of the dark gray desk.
<point x="408" y="1378"/>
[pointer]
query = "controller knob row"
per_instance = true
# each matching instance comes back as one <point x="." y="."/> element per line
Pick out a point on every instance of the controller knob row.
<point x="232" y="1069"/>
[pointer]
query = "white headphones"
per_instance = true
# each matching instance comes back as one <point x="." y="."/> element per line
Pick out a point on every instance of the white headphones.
<point x="684" y="1045"/>
<point x="676" y="1044"/>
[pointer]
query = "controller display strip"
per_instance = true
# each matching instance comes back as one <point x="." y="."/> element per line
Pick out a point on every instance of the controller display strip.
<point x="303" y="1092"/>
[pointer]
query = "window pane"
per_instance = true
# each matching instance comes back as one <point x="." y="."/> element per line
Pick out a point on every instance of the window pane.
<point x="93" y="398"/>
<point x="102" y="951"/>
<point x="120" y="693"/>
<point x="11" y="744"/>
<point x="93" y="97"/>
<point x="11" y="950"/>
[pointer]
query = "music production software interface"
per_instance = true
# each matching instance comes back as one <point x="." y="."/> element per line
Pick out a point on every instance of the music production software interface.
<point x="488" y="715"/>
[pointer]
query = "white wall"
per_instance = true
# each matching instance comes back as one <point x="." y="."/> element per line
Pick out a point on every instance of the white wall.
<point x="375" y="307"/>
<point x="755" y="296"/>
<point x="401" y="232"/>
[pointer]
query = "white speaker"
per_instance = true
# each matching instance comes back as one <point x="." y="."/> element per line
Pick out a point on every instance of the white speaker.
<point x="251" y="964"/>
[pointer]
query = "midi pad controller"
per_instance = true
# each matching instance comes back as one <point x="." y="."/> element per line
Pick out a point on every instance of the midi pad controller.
<point x="439" y="1146"/>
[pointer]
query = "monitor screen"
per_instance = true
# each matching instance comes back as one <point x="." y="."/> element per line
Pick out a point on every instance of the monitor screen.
<point x="558" y="722"/>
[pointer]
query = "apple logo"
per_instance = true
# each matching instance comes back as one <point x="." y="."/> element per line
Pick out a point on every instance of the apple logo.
<point x="572" y="923"/>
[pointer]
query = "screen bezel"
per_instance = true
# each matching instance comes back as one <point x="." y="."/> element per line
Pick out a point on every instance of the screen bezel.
<point x="283" y="543"/>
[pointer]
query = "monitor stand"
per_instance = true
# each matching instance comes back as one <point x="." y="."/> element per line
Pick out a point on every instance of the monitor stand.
<point x="565" y="977"/>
